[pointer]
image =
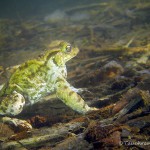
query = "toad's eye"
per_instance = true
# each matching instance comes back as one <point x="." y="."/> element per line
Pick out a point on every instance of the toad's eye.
<point x="68" y="48"/>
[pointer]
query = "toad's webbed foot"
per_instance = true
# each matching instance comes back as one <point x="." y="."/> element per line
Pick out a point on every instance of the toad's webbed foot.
<point x="79" y="90"/>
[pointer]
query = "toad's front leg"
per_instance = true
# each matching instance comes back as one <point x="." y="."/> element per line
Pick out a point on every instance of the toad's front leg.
<point x="71" y="98"/>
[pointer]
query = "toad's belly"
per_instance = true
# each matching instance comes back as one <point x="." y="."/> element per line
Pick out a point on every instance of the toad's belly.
<point x="33" y="95"/>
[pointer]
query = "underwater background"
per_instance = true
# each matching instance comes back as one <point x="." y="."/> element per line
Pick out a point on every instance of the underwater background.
<point x="34" y="8"/>
<point x="113" y="64"/>
<point x="31" y="25"/>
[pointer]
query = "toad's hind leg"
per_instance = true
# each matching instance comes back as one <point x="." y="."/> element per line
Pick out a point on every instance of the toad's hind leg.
<point x="71" y="98"/>
<point x="12" y="105"/>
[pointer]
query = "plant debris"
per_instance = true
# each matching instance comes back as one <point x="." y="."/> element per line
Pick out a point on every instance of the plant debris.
<point x="113" y="67"/>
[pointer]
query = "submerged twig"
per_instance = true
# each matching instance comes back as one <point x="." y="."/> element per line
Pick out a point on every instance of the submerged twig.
<point x="83" y="7"/>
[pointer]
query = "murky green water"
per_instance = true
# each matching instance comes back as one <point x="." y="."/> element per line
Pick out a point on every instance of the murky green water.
<point x="20" y="9"/>
<point x="113" y="62"/>
<point x="29" y="26"/>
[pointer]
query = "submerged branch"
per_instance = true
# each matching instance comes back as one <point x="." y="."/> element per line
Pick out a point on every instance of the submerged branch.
<point x="42" y="136"/>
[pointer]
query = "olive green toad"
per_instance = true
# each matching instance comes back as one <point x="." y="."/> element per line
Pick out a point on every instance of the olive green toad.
<point x="34" y="79"/>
